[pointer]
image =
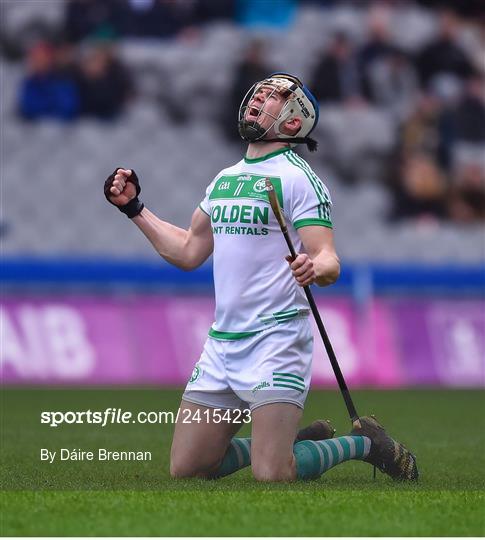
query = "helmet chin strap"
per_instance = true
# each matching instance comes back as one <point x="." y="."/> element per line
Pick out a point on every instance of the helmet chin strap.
<point x="254" y="132"/>
<point x="312" y="144"/>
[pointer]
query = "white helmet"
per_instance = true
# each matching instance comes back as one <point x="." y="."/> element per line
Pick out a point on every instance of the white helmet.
<point x="300" y="103"/>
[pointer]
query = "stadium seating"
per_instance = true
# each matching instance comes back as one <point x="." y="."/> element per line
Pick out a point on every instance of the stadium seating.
<point x="52" y="174"/>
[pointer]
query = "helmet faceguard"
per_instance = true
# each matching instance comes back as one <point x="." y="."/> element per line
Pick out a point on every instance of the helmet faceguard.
<point x="300" y="103"/>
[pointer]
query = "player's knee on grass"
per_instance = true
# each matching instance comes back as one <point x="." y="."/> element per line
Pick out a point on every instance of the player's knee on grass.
<point x="179" y="469"/>
<point x="184" y="466"/>
<point x="273" y="470"/>
<point x="195" y="461"/>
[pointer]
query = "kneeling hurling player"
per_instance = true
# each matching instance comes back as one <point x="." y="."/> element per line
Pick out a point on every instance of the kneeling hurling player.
<point x="258" y="354"/>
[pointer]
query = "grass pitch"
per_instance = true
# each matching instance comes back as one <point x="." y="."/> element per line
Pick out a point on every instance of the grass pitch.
<point x="446" y="429"/>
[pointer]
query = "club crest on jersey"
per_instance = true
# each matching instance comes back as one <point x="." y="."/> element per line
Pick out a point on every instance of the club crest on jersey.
<point x="260" y="185"/>
<point x="195" y="374"/>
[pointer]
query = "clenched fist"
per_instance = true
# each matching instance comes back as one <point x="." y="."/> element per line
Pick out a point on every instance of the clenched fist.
<point x="302" y="269"/>
<point x="122" y="189"/>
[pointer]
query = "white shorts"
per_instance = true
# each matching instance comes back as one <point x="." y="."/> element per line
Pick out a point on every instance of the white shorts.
<point x="273" y="366"/>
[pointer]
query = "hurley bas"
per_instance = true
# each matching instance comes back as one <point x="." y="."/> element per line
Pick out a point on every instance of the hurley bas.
<point x="102" y="454"/>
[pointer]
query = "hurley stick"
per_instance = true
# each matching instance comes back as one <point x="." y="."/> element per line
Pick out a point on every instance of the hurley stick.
<point x="275" y="205"/>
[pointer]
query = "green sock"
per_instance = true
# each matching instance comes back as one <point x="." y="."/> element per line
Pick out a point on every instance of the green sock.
<point x="313" y="458"/>
<point x="237" y="456"/>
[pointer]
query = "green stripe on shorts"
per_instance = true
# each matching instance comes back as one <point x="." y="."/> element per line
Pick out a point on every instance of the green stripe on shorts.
<point x="281" y="385"/>
<point x="280" y="374"/>
<point x="289" y="381"/>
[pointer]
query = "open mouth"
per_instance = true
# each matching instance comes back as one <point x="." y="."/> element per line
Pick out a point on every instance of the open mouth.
<point x="252" y="112"/>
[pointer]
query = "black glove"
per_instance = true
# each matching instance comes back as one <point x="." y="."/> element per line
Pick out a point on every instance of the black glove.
<point x="133" y="207"/>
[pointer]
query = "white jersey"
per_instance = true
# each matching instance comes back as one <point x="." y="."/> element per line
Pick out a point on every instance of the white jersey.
<point x="254" y="286"/>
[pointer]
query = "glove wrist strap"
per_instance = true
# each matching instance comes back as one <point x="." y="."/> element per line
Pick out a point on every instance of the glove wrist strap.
<point x="133" y="208"/>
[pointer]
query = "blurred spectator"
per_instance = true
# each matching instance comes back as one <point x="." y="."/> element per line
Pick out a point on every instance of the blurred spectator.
<point x="470" y="113"/>
<point x="466" y="202"/>
<point x="444" y="55"/>
<point x="252" y="68"/>
<point x="415" y="178"/>
<point x="140" y="18"/>
<point x="467" y="8"/>
<point x="46" y="91"/>
<point x="429" y="128"/>
<point x="66" y="55"/>
<point x="336" y="77"/>
<point x="420" y="189"/>
<point x="89" y="18"/>
<point x="156" y="18"/>
<point x="210" y="10"/>
<point x="105" y="85"/>
<point x="392" y="83"/>
<point x="420" y="131"/>
<point x="377" y="49"/>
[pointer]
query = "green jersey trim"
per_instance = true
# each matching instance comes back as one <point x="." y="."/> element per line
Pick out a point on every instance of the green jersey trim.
<point x="312" y="221"/>
<point x="216" y="334"/>
<point x="206" y="213"/>
<point x="301" y="163"/>
<point x="323" y="206"/>
<point x="267" y="156"/>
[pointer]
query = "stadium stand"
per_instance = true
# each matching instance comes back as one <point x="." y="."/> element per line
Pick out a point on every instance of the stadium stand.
<point x="52" y="172"/>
